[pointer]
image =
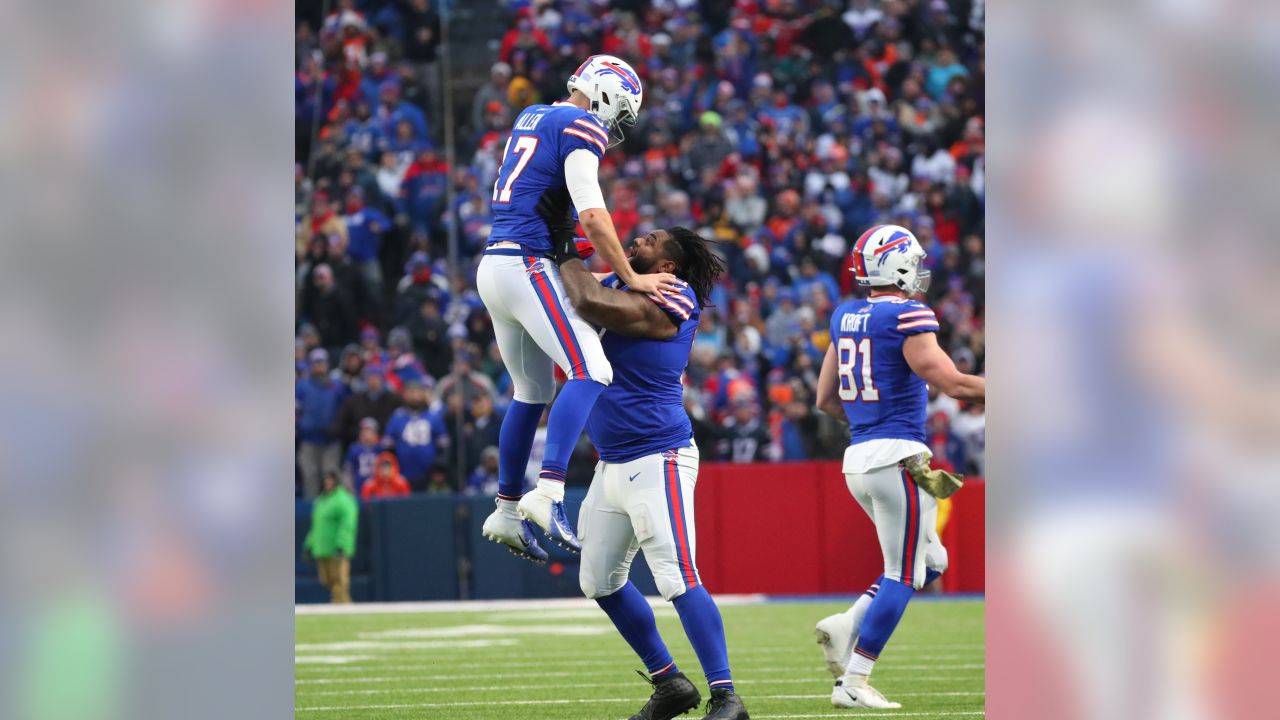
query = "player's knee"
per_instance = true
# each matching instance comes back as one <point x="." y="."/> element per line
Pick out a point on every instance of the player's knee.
<point x="670" y="588"/>
<point x="593" y="587"/>
<point x="533" y="393"/>
<point x="602" y="373"/>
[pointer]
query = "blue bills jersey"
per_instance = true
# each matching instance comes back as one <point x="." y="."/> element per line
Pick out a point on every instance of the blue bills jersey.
<point x="882" y="397"/>
<point x="533" y="166"/>
<point x="642" y="411"/>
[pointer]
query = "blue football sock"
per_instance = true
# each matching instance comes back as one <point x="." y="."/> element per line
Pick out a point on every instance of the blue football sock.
<point x="878" y="625"/>
<point x="633" y="617"/>
<point x="702" y="624"/>
<point x="568" y="416"/>
<point x="930" y="575"/>
<point x="515" y="441"/>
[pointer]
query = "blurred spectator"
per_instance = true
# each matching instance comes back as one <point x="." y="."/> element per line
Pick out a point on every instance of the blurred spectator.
<point x="365" y="228"/>
<point x="323" y="222"/>
<point x="350" y="370"/>
<point x="494" y="91"/>
<point x="479" y="428"/>
<point x="362" y="455"/>
<point x="524" y="37"/>
<point x="430" y="335"/>
<point x="949" y="407"/>
<point x="970" y="426"/>
<point x="743" y="438"/>
<point x="375" y="402"/>
<point x="484" y="479"/>
<point x="416" y="433"/>
<point x="784" y="322"/>
<point x="438" y="482"/>
<point x="417" y="286"/>
<point x="404" y="365"/>
<point x="318" y="398"/>
<point x="387" y="482"/>
<point x="330" y="308"/>
<point x="943" y="443"/>
<point x="331" y="541"/>
<point x="421" y="41"/>
<point x="464" y="374"/>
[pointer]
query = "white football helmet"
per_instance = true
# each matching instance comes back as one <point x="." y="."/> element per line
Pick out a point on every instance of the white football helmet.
<point x="890" y="255"/>
<point x="613" y="88"/>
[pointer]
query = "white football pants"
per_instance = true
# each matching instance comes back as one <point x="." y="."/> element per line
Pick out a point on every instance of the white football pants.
<point x="643" y="504"/>
<point x="906" y="520"/>
<point x="536" y="325"/>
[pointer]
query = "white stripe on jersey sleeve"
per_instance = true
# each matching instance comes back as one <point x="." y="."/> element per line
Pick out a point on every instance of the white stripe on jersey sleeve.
<point x="665" y="302"/>
<point x="583" y="122"/>
<point x="916" y="313"/>
<point x="578" y="133"/>
<point x="679" y="297"/>
<point x="918" y="323"/>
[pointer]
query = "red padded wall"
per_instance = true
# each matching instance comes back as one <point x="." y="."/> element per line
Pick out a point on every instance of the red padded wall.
<point x="793" y="529"/>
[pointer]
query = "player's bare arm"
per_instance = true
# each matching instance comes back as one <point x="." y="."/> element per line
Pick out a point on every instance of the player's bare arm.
<point x="598" y="226"/>
<point x="620" y="311"/>
<point x="828" y="392"/>
<point x="928" y="360"/>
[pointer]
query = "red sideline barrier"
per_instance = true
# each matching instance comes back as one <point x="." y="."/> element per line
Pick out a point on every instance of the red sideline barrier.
<point x="793" y="529"/>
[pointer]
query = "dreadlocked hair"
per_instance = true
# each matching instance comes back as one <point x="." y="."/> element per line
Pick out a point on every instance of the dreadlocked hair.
<point x="695" y="263"/>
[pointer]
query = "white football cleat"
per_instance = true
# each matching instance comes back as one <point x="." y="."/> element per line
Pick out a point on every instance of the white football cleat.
<point x="857" y="693"/>
<point x="548" y="513"/>
<point x="516" y="534"/>
<point x="835" y="635"/>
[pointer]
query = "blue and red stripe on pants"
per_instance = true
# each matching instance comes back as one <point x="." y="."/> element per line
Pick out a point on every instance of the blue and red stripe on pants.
<point x="559" y="320"/>
<point x="678" y="517"/>
<point x="910" y="529"/>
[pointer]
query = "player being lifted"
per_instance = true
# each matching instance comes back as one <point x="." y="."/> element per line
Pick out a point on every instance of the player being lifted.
<point x="550" y="160"/>
<point x="642" y="494"/>
<point x="883" y="351"/>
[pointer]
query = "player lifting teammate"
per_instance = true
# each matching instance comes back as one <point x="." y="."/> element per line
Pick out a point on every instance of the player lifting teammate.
<point x="883" y="351"/>
<point x="550" y="161"/>
<point x="642" y="494"/>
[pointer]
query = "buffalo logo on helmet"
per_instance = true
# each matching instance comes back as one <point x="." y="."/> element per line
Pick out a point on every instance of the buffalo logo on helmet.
<point x="630" y="81"/>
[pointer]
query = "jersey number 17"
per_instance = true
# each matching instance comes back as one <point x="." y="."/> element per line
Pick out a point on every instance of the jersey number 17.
<point x="853" y="360"/>
<point x="525" y="146"/>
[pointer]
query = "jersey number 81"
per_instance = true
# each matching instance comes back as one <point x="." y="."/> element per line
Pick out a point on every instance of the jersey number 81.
<point x="850" y="355"/>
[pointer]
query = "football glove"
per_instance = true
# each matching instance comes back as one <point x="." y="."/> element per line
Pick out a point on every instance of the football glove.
<point x="938" y="483"/>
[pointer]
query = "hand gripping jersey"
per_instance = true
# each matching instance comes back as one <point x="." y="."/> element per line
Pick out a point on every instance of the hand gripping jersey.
<point x="533" y="165"/>
<point x="642" y="411"/>
<point x="882" y="397"/>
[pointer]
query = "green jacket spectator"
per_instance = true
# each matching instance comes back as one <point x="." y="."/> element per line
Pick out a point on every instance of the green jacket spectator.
<point x="333" y="524"/>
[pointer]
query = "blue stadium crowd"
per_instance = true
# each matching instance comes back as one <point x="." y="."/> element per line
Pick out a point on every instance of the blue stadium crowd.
<point x="780" y="128"/>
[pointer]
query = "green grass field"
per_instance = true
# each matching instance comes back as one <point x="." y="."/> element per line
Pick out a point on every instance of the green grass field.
<point x="565" y="661"/>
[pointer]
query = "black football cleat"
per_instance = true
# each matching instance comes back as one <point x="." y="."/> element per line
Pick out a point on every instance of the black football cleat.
<point x="725" y="705"/>
<point x="672" y="695"/>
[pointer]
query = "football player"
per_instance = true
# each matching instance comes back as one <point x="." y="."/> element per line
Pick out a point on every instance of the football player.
<point x="550" y="162"/>
<point x="642" y="494"/>
<point x="884" y="349"/>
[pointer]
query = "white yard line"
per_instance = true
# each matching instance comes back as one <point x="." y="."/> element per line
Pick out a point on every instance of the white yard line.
<point x="503" y="648"/>
<point x="327" y="671"/>
<point x="490" y="703"/>
<point x="621" y="684"/>
<point x="876" y="714"/>
<point x="374" y="661"/>
<point x="489" y="605"/>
